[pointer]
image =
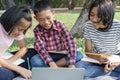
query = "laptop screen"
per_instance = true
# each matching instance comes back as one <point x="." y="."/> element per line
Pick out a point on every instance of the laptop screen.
<point x="57" y="73"/>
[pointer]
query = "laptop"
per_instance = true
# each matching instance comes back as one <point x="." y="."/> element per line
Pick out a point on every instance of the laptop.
<point x="57" y="73"/>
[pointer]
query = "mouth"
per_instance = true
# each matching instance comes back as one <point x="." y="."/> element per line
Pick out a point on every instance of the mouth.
<point x="47" y="26"/>
<point x="95" y="25"/>
<point x="15" y="35"/>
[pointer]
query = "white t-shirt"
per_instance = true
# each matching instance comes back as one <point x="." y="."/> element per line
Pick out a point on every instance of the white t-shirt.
<point x="5" y="40"/>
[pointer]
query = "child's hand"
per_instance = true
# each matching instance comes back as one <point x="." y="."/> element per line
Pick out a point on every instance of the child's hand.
<point x="71" y="66"/>
<point x="104" y="58"/>
<point x="111" y="66"/>
<point x="114" y="61"/>
<point x="53" y="64"/>
<point x="27" y="74"/>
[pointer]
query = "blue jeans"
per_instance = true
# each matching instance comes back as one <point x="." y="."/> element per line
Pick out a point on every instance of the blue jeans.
<point x="94" y="70"/>
<point x="36" y="61"/>
<point x="7" y="74"/>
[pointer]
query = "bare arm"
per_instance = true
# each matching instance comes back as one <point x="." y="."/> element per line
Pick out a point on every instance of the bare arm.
<point x="88" y="49"/>
<point x="52" y="64"/>
<point x="102" y="58"/>
<point x="8" y="63"/>
<point x="21" y="52"/>
<point x="22" y="71"/>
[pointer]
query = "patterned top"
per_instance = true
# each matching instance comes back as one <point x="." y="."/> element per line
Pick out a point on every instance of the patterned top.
<point x="57" y="39"/>
<point x="108" y="42"/>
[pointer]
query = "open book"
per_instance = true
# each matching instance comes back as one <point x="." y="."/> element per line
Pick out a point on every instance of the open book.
<point x="112" y="58"/>
<point x="7" y="55"/>
<point x="88" y="59"/>
<point x="59" y="52"/>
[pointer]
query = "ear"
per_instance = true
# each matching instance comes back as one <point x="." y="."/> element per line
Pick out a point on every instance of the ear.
<point x="35" y="17"/>
<point x="53" y="12"/>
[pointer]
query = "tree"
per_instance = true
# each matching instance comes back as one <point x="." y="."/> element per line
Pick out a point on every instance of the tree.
<point x="70" y="4"/>
<point x="77" y="29"/>
<point x="7" y="3"/>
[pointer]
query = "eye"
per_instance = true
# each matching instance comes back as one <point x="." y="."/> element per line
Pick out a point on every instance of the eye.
<point x="41" y="19"/>
<point x="91" y="14"/>
<point x="21" y="29"/>
<point x="49" y="18"/>
<point x="99" y="16"/>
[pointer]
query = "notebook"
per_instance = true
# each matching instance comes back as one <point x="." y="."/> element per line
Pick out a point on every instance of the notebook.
<point x="88" y="59"/>
<point x="58" y="52"/>
<point x="7" y="55"/>
<point x="57" y="73"/>
<point x="113" y="58"/>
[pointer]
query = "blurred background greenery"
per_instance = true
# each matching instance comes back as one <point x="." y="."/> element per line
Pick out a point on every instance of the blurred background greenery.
<point x="69" y="18"/>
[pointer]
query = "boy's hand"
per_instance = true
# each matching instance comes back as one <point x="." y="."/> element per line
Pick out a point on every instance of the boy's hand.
<point x="53" y="64"/>
<point x="71" y="66"/>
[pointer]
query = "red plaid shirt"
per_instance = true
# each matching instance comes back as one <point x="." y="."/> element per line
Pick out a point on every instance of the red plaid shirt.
<point x="58" y="38"/>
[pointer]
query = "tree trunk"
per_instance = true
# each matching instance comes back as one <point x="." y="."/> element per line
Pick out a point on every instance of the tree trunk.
<point x="7" y="3"/>
<point x="70" y="4"/>
<point x="78" y="28"/>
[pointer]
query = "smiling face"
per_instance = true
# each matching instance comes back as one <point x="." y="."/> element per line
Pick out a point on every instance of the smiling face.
<point x="45" y="18"/>
<point x="20" y="28"/>
<point x="95" y="19"/>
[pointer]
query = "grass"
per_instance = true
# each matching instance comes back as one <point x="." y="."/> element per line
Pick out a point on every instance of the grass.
<point x="68" y="18"/>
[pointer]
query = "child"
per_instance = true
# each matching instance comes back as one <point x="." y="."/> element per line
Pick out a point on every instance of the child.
<point x="51" y="35"/>
<point x="102" y="36"/>
<point x="13" y="25"/>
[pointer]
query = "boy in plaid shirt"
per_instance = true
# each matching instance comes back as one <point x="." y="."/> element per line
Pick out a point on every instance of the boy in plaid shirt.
<point x="52" y="35"/>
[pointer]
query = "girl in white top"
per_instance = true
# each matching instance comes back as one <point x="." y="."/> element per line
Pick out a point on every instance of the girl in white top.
<point x="13" y="25"/>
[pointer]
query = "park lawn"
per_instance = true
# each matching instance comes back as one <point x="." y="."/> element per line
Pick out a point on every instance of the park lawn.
<point x="69" y="18"/>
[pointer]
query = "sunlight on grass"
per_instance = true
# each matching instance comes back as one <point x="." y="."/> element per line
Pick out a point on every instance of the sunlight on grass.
<point x="117" y="15"/>
<point x="68" y="18"/>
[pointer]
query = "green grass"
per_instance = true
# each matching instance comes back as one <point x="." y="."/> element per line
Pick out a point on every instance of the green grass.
<point x="68" y="18"/>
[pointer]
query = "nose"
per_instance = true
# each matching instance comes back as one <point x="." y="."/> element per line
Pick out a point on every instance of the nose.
<point x="46" y="21"/>
<point x="95" y="19"/>
<point x="20" y="32"/>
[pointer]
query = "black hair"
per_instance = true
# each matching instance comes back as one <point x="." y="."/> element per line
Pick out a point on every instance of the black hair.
<point x="41" y="5"/>
<point x="106" y="11"/>
<point x="13" y="15"/>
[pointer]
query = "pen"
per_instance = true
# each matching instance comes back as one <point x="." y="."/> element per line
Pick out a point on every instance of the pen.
<point x="28" y="62"/>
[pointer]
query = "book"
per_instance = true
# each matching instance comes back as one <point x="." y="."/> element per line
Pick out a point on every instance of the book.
<point x="7" y="55"/>
<point x="88" y="59"/>
<point x="59" y="52"/>
<point x="114" y="58"/>
<point x="111" y="58"/>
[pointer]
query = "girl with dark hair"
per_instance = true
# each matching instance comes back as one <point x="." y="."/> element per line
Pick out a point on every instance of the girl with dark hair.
<point x="13" y="24"/>
<point x="102" y="36"/>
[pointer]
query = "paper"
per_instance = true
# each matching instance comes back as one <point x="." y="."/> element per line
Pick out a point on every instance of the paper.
<point x="88" y="59"/>
<point x="114" y="58"/>
<point x="8" y="55"/>
<point x="59" y="52"/>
